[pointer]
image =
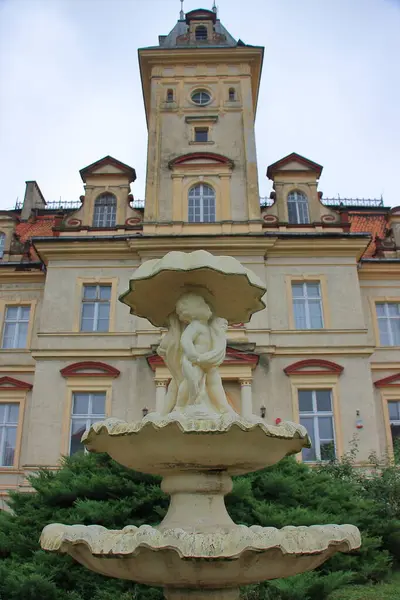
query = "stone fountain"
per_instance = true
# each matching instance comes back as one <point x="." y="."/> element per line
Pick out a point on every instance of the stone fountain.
<point x="196" y="443"/>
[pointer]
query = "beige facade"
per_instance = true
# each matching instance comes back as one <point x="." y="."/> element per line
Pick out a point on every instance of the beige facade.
<point x="326" y="268"/>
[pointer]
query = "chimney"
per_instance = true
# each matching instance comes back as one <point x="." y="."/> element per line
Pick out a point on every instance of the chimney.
<point x="33" y="199"/>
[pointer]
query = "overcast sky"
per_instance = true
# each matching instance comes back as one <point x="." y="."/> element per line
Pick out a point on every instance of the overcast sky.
<point x="70" y="89"/>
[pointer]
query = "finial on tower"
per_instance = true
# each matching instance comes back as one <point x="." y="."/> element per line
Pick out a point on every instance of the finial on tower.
<point x="181" y="14"/>
<point x="214" y="8"/>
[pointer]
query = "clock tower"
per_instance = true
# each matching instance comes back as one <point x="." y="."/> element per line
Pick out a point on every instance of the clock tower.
<point x="200" y="89"/>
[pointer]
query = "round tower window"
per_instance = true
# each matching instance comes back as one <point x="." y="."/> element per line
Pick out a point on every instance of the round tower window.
<point x="201" y="97"/>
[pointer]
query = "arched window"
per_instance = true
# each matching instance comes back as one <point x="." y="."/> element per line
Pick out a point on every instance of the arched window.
<point x="2" y="243"/>
<point x="170" y="95"/>
<point x="201" y="32"/>
<point x="201" y="204"/>
<point x="298" y="208"/>
<point x="105" y="211"/>
<point x="232" y="95"/>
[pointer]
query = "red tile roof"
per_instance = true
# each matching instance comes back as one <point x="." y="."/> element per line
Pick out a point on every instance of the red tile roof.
<point x="41" y="226"/>
<point x="375" y="224"/>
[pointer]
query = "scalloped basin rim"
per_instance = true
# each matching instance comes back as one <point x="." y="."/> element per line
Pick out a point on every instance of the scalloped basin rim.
<point x="116" y="427"/>
<point x="219" y="545"/>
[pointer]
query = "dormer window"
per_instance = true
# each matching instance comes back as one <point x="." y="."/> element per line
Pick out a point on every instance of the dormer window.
<point x="232" y="95"/>
<point x="201" y="33"/>
<point x="297" y="203"/>
<point x="170" y="95"/>
<point x="2" y="243"/>
<point x="105" y="211"/>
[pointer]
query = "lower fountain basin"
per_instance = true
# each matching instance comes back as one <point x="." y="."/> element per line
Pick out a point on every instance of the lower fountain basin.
<point x="161" y="445"/>
<point x="178" y="559"/>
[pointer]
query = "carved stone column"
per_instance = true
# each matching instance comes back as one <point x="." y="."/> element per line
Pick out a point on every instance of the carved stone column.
<point x="246" y="400"/>
<point x="161" y="390"/>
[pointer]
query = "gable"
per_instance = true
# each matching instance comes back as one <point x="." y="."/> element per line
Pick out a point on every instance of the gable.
<point x="108" y="162"/>
<point x="108" y="170"/>
<point x="295" y="166"/>
<point x="294" y="162"/>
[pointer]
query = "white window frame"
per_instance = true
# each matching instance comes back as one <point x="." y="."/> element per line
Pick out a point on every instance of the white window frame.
<point x="105" y="215"/>
<point x="90" y="417"/>
<point x="2" y="243"/>
<point x="299" y="199"/>
<point x="17" y="321"/>
<point x="96" y="302"/>
<point x="306" y="300"/>
<point x="4" y="425"/>
<point x="193" y="200"/>
<point x="315" y="415"/>
<point x="387" y="317"/>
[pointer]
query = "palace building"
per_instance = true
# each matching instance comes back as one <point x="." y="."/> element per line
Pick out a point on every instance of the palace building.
<point x="325" y="351"/>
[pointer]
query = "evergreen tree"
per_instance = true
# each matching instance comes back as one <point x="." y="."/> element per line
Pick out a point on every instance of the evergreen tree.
<point x="93" y="489"/>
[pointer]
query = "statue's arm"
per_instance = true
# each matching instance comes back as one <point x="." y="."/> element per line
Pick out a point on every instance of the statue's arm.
<point x="187" y="342"/>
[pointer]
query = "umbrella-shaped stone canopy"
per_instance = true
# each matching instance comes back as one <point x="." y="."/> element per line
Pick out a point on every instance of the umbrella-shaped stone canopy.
<point x="232" y="291"/>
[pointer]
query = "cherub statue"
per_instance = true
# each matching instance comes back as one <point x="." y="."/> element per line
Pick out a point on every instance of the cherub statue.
<point x="193" y="348"/>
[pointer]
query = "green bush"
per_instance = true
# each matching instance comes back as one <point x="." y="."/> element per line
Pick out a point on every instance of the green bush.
<point x="93" y="489"/>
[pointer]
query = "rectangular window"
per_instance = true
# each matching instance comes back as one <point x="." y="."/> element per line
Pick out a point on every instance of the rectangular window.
<point x="95" y="314"/>
<point x="16" y="323"/>
<point x="307" y="305"/>
<point x="394" y="417"/>
<point x="8" y="433"/>
<point x="316" y="414"/>
<point x="87" y="408"/>
<point x="201" y="134"/>
<point x="388" y="315"/>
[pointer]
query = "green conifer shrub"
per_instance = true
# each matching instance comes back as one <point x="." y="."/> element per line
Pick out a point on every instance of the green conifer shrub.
<point x="93" y="489"/>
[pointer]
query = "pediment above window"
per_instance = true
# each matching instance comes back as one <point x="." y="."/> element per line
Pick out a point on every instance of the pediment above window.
<point x="89" y="369"/>
<point x="10" y="383"/>
<point x="197" y="159"/>
<point x="391" y="381"/>
<point x="313" y="366"/>
<point x="233" y="357"/>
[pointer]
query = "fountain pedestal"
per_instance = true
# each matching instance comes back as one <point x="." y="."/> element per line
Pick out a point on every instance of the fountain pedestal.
<point x="197" y="501"/>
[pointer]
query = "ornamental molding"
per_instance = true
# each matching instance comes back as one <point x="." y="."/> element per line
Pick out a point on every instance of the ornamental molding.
<point x="89" y="368"/>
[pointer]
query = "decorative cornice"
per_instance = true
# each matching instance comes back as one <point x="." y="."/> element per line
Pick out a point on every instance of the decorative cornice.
<point x="391" y="381"/>
<point x="89" y="369"/>
<point x="308" y="367"/>
<point x="14" y="384"/>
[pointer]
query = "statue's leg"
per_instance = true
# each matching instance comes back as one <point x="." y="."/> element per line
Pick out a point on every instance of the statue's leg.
<point x="170" y="397"/>
<point x="182" y="396"/>
<point x="217" y="393"/>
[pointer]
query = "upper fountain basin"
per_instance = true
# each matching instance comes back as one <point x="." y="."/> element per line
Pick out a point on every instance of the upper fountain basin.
<point x="162" y="445"/>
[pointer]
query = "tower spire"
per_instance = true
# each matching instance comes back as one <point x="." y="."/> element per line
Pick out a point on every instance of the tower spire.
<point x="181" y="14"/>
<point x="214" y="8"/>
